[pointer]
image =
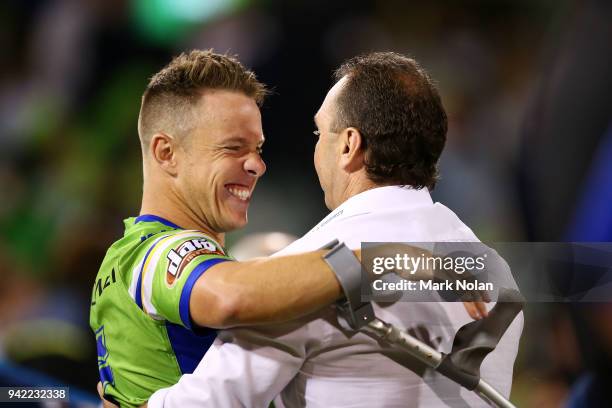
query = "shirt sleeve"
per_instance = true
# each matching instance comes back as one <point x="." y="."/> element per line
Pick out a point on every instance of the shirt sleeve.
<point x="168" y="272"/>
<point x="243" y="368"/>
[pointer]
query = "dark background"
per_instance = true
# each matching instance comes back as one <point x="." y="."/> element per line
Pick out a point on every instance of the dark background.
<point x="526" y="85"/>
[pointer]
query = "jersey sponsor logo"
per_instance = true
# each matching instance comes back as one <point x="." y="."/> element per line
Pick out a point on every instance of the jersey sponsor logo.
<point x="180" y="257"/>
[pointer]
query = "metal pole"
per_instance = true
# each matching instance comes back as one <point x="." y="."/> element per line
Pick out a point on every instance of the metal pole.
<point x="397" y="337"/>
<point x="491" y="395"/>
<point x="429" y="356"/>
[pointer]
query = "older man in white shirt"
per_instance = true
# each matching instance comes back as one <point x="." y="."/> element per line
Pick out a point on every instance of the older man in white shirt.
<point x="381" y="130"/>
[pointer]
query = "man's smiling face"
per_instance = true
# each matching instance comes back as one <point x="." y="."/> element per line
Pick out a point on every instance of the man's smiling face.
<point x="221" y="159"/>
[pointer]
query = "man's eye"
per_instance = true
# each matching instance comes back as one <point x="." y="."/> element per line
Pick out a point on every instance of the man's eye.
<point x="232" y="148"/>
<point x="260" y="150"/>
<point x="317" y="133"/>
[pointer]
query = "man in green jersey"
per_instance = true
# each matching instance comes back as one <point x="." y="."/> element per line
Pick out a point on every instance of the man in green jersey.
<point x="166" y="285"/>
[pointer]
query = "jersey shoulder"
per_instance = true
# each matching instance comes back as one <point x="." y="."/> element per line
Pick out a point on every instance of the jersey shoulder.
<point x="166" y="270"/>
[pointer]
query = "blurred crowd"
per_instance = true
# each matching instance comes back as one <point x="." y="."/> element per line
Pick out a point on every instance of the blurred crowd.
<point x="527" y="86"/>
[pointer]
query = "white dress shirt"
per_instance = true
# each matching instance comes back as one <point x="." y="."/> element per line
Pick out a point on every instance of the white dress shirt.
<point x="313" y="362"/>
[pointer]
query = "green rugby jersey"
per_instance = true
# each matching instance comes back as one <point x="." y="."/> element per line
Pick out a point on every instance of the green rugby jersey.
<point x="140" y="307"/>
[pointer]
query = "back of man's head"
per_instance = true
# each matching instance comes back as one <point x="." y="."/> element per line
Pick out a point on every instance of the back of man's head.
<point x="396" y="107"/>
<point x="170" y="97"/>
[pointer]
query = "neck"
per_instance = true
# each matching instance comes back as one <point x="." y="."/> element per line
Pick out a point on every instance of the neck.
<point x="357" y="183"/>
<point x="167" y="205"/>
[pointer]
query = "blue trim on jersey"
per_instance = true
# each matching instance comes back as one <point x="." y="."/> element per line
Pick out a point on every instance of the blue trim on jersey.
<point x="155" y="218"/>
<point x="106" y="372"/>
<point x="191" y="280"/>
<point x="106" y="375"/>
<point x="188" y="347"/>
<point x="101" y="346"/>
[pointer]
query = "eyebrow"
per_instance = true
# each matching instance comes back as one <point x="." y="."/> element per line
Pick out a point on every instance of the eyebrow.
<point x="242" y="140"/>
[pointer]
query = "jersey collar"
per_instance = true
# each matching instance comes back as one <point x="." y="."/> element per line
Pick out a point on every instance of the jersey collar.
<point x="155" y="218"/>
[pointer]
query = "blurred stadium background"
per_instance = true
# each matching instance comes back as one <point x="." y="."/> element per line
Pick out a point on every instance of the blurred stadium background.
<point x="526" y="83"/>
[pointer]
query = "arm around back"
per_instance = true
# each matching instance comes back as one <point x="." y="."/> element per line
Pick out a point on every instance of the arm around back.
<point x="263" y="290"/>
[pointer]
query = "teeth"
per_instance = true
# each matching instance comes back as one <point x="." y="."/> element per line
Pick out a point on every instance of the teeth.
<point x="240" y="193"/>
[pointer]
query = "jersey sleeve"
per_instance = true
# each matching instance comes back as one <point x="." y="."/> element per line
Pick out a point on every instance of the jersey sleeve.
<point x="169" y="270"/>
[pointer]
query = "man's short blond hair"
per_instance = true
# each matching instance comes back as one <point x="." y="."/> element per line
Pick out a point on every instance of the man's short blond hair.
<point x="172" y="93"/>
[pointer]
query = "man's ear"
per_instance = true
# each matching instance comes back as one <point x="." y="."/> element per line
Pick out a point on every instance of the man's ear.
<point x="352" y="156"/>
<point x="163" y="150"/>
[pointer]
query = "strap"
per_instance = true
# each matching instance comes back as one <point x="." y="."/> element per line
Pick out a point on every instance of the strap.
<point x="348" y="271"/>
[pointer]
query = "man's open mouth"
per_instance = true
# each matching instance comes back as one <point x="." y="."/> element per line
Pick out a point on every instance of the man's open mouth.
<point x="239" y="191"/>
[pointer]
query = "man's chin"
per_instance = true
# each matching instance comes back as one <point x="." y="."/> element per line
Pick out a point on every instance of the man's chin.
<point x="236" y="222"/>
<point x="329" y="204"/>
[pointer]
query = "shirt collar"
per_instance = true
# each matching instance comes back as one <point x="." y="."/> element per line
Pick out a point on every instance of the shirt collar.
<point x="380" y="198"/>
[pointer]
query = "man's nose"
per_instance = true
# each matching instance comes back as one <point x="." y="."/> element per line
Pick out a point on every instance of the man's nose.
<point x="255" y="165"/>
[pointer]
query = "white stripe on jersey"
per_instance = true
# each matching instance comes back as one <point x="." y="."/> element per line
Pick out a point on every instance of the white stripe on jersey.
<point x="151" y="265"/>
<point x="138" y="268"/>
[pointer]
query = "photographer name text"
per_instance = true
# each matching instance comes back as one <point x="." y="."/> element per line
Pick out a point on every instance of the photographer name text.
<point x="459" y="284"/>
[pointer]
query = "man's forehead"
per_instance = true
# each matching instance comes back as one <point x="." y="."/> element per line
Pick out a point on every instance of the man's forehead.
<point x="330" y="99"/>
<point x="227" y="116"/>
<point x="244" y="139"/>
<point x="338" y="85"/>
<point x="242" y="136"/>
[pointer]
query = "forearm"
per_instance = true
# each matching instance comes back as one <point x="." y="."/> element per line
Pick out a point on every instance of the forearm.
<point x="233" y="373"/>
<point x="265" y="290"/>
<point x="275" y="290"/>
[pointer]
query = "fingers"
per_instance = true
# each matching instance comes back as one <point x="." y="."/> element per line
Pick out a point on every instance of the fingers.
<point x="105" y="403"/>
<point x="471" y="309"/>
<point x="482" y="308"/>
<point x="476" y="310"/>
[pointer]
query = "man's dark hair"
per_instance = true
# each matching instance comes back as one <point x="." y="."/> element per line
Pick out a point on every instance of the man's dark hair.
<point x="396" y="107"/>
